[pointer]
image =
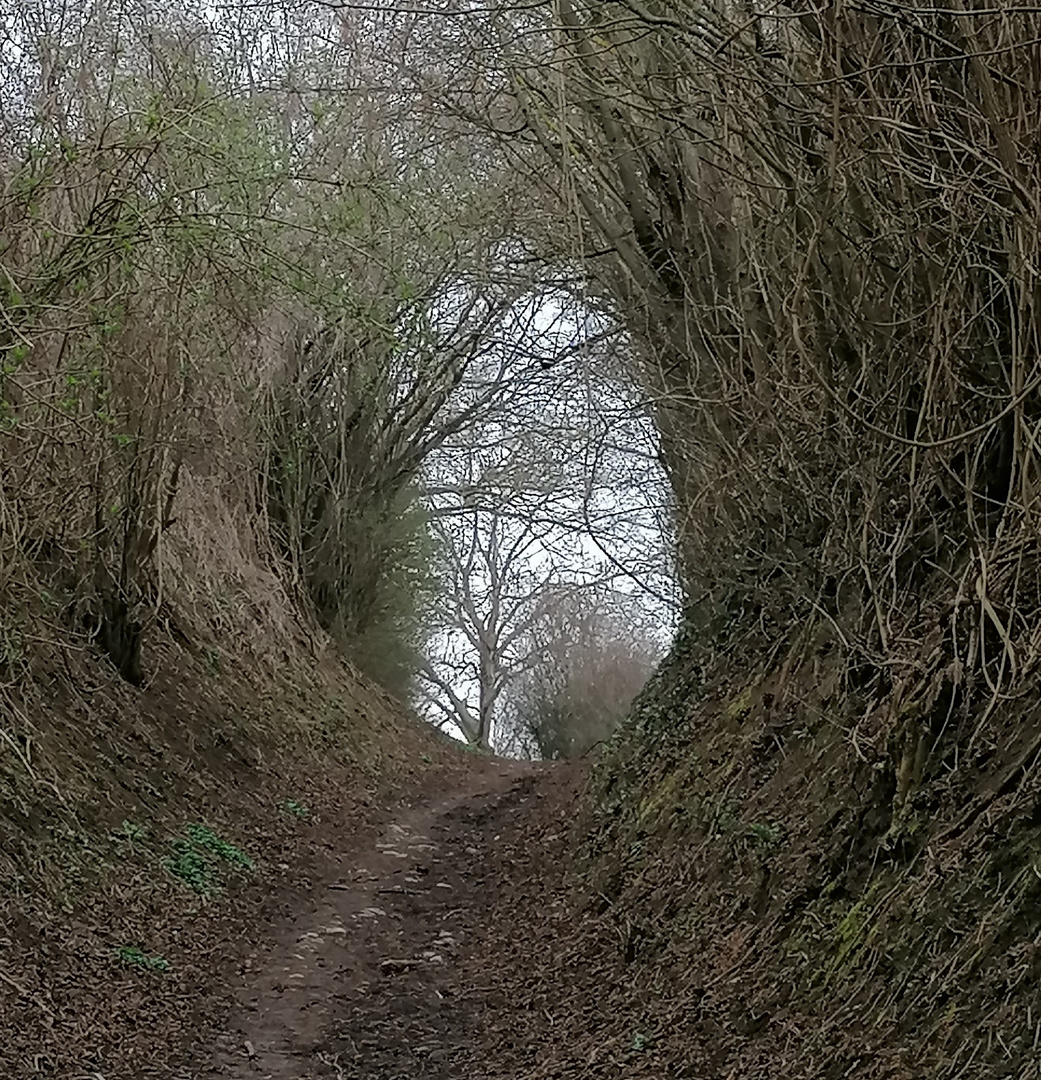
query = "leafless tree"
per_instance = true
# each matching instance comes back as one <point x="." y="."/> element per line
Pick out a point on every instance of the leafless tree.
<point x="497" y="569"/>
<point x="555" y="493"/>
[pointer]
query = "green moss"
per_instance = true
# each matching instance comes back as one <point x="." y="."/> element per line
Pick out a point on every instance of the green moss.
<point x="660" y="798"/>
<point x="849" y="934"/>
<point x="853" y="934"/>
<point x="829" y="888"/>
<point x="741" y="706"/>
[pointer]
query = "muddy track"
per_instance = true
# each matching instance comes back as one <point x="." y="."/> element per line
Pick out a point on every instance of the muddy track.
<point x="380" y="977"/>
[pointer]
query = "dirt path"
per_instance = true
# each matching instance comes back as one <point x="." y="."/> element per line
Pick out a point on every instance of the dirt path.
<point x="375" y="976"/>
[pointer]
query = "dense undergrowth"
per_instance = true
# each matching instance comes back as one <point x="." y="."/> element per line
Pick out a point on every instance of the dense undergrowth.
<point x="220" y="376"/>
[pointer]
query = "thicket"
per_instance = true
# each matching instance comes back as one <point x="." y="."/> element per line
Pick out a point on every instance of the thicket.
<point x="819" y="232"/>
<point x="822" y="227"/>
<point x="226" y="346"/>
<point x="251" y="294"/>
<point x="822" y="230"/>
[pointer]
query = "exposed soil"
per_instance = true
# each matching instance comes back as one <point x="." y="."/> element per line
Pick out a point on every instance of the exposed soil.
<point x="380" y="974"/>
<point x="740" y="912"/>
<point x="380" y="939"/>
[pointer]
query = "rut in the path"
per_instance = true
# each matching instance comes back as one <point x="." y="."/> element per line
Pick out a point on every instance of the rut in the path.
<point x="375" y="978"/>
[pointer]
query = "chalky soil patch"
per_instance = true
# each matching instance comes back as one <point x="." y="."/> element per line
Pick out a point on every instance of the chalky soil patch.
<point x="375" y="978"/>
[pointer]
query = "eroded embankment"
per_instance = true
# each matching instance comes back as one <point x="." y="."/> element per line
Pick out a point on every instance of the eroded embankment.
<point x="386" y="968"/>
<point x="754" y="888"/>
<point x="379" y="933"/>
<point x="791" y="882"/>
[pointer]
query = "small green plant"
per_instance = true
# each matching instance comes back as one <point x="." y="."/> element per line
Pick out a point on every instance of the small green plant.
<point x="641" y="1042"/>
<point x="193" y="857"/>
<point x="766" y="835"/>
<point x="190" y="866"/>
<point x="130" y="830"/>
<point x="203" y="836"/>
<point x="291" y="806"/>
<point x="132" y="956"/>
<point x="724" y="816"/>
